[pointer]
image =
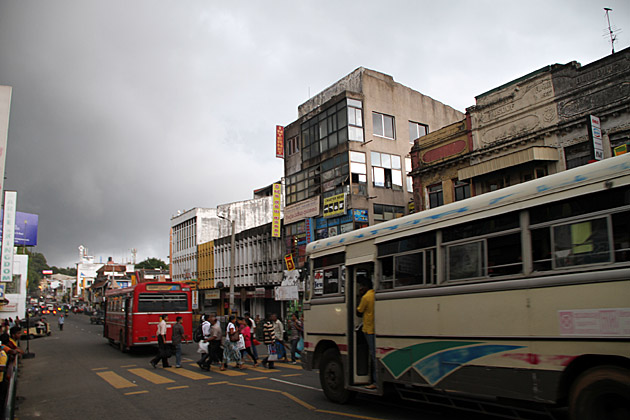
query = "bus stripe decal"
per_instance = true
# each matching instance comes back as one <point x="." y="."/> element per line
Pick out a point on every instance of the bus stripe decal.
<point x="438" y="366"/>
<point x="399" y="361"/>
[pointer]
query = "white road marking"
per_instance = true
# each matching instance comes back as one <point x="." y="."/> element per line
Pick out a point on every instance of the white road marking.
<point x="292" y="383"/>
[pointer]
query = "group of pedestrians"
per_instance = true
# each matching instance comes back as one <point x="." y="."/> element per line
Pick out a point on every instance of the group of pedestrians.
<point x="234" y="343"/>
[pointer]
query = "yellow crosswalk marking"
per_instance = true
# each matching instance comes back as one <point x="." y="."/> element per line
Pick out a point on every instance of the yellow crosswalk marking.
<point x="256" y="379"/>
<point x="292" y="374"/>
<point x="100" y="369"/>
<point x="261" y="369"/>
<point x="217" y="383"/>
<point x="136" y="392"/>
<point x="150" y="376"/>
<point x="230" y="372"/>
<point x="176" y="387"/>
<point x="115" y="380"/>
<point x="289" y="366"/>
<point x="189" y="374"/>
<point x="128" y="366"/>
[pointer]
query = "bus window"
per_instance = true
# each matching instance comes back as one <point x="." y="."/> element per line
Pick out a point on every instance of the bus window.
<point x="580" y="243"/>
<point x="466" y="261"/>
<point x="504" y="255"/>
<point x="331" y="281"/>
<point x="621" y="232"/>
<point x="159" y="302"/>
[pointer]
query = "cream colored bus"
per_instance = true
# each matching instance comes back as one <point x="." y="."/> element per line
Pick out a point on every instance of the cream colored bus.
<point x="516" y="296"/>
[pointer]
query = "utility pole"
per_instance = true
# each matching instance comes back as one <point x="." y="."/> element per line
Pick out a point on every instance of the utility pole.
<point x="232" y="260"/>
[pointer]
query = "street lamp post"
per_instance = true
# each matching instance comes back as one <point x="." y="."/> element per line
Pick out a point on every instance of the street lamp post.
<point x="232" y="262"/>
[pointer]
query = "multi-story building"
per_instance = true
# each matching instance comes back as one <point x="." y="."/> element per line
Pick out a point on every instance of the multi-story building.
<point x="527" y="128"/>
<point x="258" y="268"/>
<point x="347" y="159"/>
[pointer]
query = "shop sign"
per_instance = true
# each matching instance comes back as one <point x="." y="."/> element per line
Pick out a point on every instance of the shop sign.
<point x="212" y="294"/>
<point x="277" y="216"/>
<point x="302" y="210"/>
<point x="335" y="205"/>
<point x="195" y="299"/>
<point x="318" y="282"/>
<point x="595" y="133"/>
<point x="360" y="215"/>
<point x="280" y="141"/>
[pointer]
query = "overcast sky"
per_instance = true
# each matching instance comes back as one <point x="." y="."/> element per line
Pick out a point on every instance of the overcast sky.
<point x="124" y="112"/>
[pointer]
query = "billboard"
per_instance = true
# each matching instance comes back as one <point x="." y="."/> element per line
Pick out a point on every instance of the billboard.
<point x="280" y="141"/>
<point x="8" y="238"/>
<point x="25" y="228"/>
<point x="277" y="211"/>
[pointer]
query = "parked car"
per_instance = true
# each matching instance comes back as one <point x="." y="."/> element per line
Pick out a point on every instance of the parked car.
<point x="37" y="327"/>
<point x="97" y="317"/>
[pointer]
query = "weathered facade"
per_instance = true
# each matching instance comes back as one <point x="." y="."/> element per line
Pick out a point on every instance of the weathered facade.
<point x="528" y="128"/>
<point x="347" y="157"/>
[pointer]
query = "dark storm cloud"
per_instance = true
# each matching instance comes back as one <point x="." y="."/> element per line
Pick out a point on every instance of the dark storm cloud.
<point x="124" y="112"/>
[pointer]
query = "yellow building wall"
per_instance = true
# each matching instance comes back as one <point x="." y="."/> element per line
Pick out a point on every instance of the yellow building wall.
<point x="205" y="265"/>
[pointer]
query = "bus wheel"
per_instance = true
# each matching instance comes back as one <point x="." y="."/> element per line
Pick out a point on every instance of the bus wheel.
<point x="332" y="379"/>
<point x="121" y="343"/>
<point x="601" y="393"/>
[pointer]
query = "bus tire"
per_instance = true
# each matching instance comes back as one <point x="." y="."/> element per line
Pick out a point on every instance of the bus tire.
<point x="121" y="343"/>
<point x="331" y="377"/>
<point x="601" y="393"/>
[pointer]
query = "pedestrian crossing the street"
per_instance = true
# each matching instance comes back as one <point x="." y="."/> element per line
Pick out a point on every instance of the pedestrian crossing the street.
<point x="130" y="376"/>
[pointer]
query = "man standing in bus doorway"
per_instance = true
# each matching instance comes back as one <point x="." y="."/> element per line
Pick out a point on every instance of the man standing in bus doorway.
<point x="162" y="350"/>
<point x="177" y="337"/>
<point x="366" y="309"/>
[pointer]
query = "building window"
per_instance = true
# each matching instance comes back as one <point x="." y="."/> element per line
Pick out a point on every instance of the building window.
<point x="386" y="171"/>
<point x="292" y="146"/>
<point x="383" y="125"/>
<point x="436" y="197"/>
<point x="408" y="169"/>
<point x="355" y="120"/>
<point x="417" y="130"/>
<point x="384" y="212"/>
<point x="462" y="189"/>
<point x="577" y="155"/>
<point x="325" y="131"/>
<point x="358" y="168"/>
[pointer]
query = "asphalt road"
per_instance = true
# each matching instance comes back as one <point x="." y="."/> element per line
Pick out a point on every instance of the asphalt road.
<point x="76" y="374"/>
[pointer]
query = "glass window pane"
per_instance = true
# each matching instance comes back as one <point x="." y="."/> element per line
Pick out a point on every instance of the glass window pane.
<point x="379" y="177"/>
<point x="355" y="103"/>
<point x="342" y="118"/>
<point x="358" y="168"/>
<point x="351" y="116"/>
<point x="342" y="135"/>
<point x="358" y="117"/>
<point x="389" y="126"/>
<point x="332" y="140"/>
<point x="395" y="162"/>
<point x="465" y="261"/>
<point x="355" y="133"/>
<point x="409" y="269"/>
<point x="397" y="177"/>
<point x="409" y="184"/>
<point x="376" y="159"/>
<point x="408" y="167"/>
<point x="363" y="178"/>
<point x="386" y="161"/>
<point x="331" y="280"/>
<point x="357" y="157"/>
<point x="377" y="124"/>
<point x="323" y="130"/>
<point x="581" y="243"/>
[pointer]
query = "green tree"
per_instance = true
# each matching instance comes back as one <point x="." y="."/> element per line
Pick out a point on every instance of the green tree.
<point x="36" y="263"/>
<point x="150" y="263"/>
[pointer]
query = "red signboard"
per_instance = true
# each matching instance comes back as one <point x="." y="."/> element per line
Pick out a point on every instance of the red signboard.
<point x="280" y="141"/>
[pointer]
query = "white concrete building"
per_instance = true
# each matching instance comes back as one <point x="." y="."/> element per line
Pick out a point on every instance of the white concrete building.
<point x="200" y="225"/>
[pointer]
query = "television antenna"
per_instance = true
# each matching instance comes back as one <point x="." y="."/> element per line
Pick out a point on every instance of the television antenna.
<point x="611" y="31"/>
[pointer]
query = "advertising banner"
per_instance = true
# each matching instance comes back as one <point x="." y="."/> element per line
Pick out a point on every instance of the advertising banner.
<point x="287" y="293"/>
<point x="8" y="235"/>
<point x="25" y="228"/>
<point x="277" y="203"/>
<point x="335" y="205"/>
<point x="300" y="211"/>
<point x="280" y="141"/>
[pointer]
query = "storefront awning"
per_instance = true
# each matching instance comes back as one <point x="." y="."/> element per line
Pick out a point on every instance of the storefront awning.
<point x="506" y="161"/>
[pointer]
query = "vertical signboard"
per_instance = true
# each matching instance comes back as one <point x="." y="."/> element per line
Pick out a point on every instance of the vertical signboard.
<point x="8" y="235"/>
<point x="5" y="106"/>
<point x="595" y="133"/>
<point x="277" y="203"/>
<point x="280" y="141"/>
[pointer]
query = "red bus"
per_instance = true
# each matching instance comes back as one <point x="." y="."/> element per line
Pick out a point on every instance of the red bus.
<point x="132" y="313"/>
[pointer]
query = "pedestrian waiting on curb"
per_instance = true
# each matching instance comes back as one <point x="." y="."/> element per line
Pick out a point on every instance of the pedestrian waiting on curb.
<point x="177" y="338"/>
<point x="162" y="349"/>
<point x="61" y="320"/>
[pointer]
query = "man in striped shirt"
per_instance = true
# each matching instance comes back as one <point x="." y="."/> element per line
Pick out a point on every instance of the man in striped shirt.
<point x="269" y="337"/>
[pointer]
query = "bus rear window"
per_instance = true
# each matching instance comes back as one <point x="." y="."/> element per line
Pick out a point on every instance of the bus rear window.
<point x="162" y="302"/>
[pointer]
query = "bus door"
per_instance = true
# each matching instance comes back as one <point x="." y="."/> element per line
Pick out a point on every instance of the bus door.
<point x="358" y="350"/>
<point x="127" y="320"/>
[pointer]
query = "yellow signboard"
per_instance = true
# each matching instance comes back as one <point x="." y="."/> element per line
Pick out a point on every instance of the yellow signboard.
<point x="335" y="205"/>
